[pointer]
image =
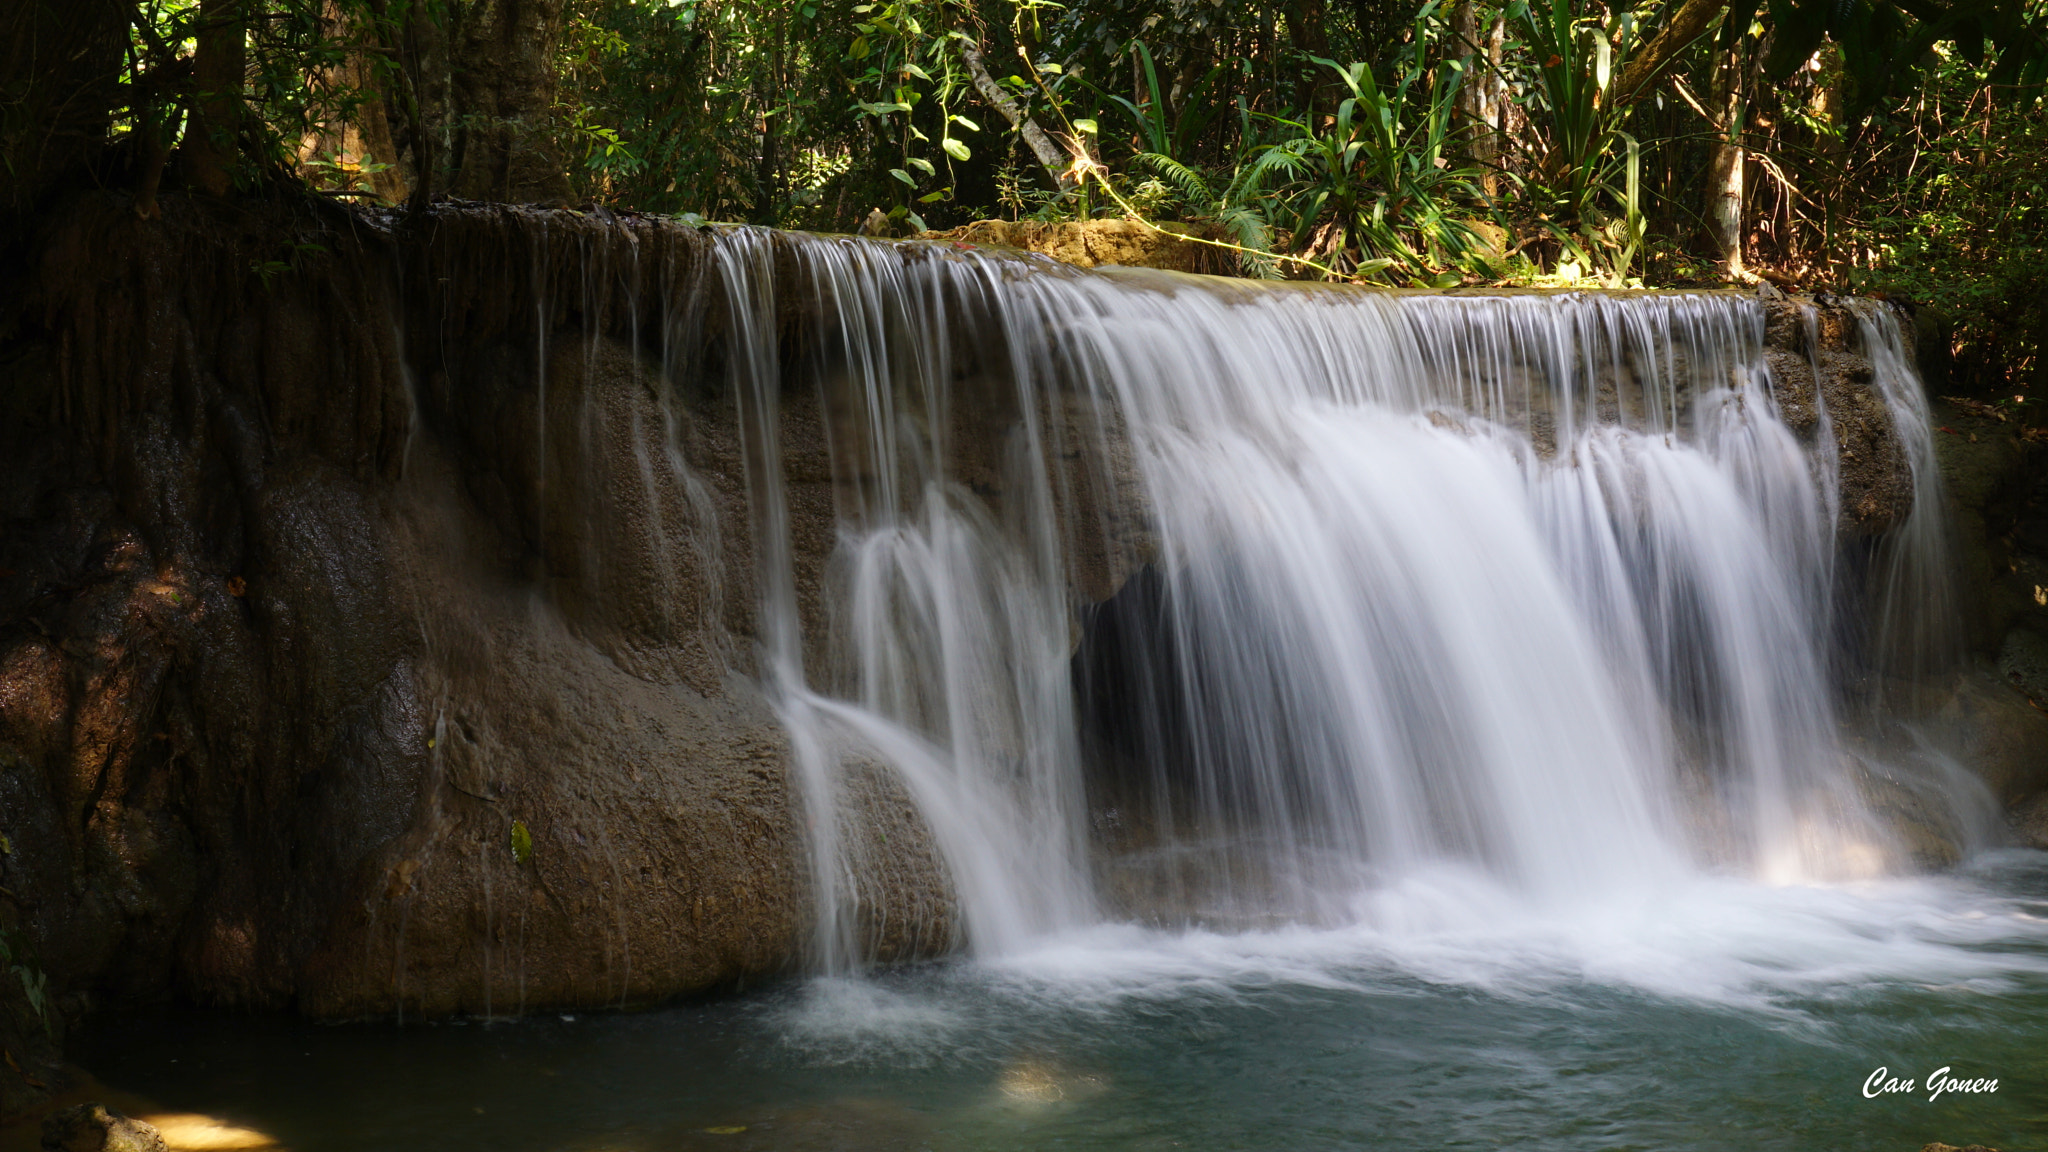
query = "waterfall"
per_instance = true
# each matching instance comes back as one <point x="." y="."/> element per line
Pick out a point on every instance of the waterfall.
<point x="1201" y="601"/>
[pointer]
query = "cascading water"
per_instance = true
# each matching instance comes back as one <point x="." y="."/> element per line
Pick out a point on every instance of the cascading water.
<point x="1533" y="588"/>
<point x="1331" y="718"/>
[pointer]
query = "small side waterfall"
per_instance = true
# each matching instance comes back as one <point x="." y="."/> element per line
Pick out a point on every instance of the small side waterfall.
<point x="1203" y="601"/>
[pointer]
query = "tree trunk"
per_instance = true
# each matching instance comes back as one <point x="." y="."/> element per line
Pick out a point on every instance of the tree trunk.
<point x="219" y="69"/>
<point x="1688" y="21"/>
<point x="1479" y="96"/>
<point x="60" y="69"/>
<point x="1057" y="163"/>
<point x="501" y="64"/>
<point x="359" y="136"/>
<point x="1725" y="166"/>
<point x="767" y="170"/>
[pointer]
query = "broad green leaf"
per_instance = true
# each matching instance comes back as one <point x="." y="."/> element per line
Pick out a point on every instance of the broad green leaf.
<point x="1088" y="126"/>
<point x="923" y="165"/>
<point x="955" y="149"/>
<point x="900" y="174"/>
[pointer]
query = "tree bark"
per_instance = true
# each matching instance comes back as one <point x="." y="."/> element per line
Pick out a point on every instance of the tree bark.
<point x="219" y="69"/>
<point x="767" y="170"/>
<point x="360" y="135"/>
<point x="1725" y="165"/>
<point x="60" y="68"/>
<point x="501" y="64"/>
<point x="1479" y="96"/>
<point x="1057" y="163"/>
<point x="1647" y="62"/>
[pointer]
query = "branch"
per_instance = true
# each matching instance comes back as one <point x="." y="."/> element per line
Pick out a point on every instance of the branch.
<point x="1678" y="33"/>
<point x="1050" y="155"/>
<point x="1685" y="93"/>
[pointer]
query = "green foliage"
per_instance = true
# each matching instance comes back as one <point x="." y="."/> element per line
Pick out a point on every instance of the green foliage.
<point x="1378" y="186"/>
<point x="1965" y="226"/>
<point x="19" y="960"/>
<point x="1884" y="41"/>
<point x="1891" y="143"/>
<point x="1581" y="183"/>
<point x="297" y="52"/>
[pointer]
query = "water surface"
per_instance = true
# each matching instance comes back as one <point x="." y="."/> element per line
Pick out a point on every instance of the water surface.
<point x="1720" y="1016"/>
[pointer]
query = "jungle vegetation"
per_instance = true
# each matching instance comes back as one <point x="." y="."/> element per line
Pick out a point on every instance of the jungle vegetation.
<point x="1882" y="146"/>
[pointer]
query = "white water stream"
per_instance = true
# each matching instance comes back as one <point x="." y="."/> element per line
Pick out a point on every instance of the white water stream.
<point x="1532" y="592"/>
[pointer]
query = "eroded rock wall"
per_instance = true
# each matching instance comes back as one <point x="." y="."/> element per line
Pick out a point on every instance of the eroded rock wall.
<point x="1993" y="470"/>
<point x="378" y="614"/>
<point x="314" y="588"/>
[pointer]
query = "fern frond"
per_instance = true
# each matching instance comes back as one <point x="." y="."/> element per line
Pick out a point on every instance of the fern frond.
<point x="1191" y="185"/>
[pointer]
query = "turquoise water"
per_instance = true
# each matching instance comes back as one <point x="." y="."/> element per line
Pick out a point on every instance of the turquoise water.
<point x="1728" y="1017"/>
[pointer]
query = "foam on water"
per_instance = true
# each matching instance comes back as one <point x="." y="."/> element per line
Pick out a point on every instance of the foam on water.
<point x="1724" y="943"/>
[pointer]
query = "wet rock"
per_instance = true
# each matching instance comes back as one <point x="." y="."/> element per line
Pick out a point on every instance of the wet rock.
<point x="1999" y="734"/>
<point x="318" y="583"/>
<point x="2029" y="823"/>
<point x="1999" y="496"/>
<point x="96" y="1128"/>
<point x="1918" y="816"/>
<point x="1822" y="376"/>
<point x="2023" y="660"/>
<point x="312" y="589"/>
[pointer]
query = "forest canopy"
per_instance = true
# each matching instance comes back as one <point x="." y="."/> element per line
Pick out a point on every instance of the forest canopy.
<point x="1888" y="146"/>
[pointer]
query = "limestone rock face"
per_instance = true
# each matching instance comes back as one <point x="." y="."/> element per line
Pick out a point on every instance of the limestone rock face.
<point x="378" y="610"/>
<point x="314" y="588"/>
<point x="1822" y="376"/>
<point x="1094" y="243"/>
